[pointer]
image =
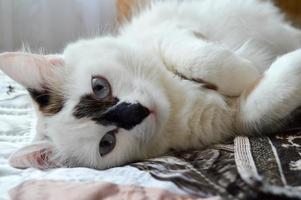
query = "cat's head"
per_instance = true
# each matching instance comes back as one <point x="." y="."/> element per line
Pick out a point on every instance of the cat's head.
<point x="99" y="104"/>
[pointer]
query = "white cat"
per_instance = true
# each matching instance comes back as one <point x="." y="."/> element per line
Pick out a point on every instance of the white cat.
<point x="180" y="75"/>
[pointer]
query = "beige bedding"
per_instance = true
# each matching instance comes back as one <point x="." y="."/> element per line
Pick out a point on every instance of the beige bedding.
<point x="54" y="190"/>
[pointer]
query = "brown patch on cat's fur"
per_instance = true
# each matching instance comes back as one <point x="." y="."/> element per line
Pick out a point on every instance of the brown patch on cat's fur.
<point x="125" y="8"/>
<point x="49" y="102"/>
<point x="205" y="84"/>
<point x="56" y="104"/>
<point x="292" y="10"/>
<point x="90" y="107"/>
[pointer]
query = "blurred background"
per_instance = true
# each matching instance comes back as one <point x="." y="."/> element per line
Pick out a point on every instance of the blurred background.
<point x="51" y="24"/>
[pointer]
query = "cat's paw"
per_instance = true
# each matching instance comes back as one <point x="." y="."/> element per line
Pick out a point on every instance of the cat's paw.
<point x="229" y="76"/>
<point x="275" y="96"/>
<point x="287" y="69"/>
<point x="281" y="83"/>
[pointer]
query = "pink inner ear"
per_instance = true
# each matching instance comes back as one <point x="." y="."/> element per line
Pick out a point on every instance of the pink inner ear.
<point x="30" y="70"/>
<point x="32" y="156"/>
<point x="42" y="159"/>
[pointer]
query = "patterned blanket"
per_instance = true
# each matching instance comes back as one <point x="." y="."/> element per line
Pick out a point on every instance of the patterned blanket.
<point x="249" y="168"/>
<point x="246" y="168"/>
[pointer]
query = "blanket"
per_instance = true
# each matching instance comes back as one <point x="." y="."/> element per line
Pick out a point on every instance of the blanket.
<point x="267" y="167"/>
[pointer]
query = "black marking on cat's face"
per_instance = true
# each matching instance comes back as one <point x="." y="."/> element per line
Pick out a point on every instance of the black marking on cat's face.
<point x="49" y="103"/>
<point x="123" y="115"/>
<point x="126" y="115"/>
<point x="40" y="97"/>
<point x="90" y="107"/>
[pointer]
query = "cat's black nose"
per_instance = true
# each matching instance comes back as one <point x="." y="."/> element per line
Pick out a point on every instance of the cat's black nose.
<point x="126" y="115"/>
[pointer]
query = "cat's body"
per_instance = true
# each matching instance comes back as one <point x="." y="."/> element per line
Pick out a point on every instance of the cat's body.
<point x="146" y="108"/>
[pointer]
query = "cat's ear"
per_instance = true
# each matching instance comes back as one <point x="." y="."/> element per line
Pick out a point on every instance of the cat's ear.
<point x="41" y="75"/>
<point x="37" y="155"/>
<point x="30" y="70"/>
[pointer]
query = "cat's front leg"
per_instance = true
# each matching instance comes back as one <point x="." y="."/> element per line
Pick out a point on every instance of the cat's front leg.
<point x="193" y="56"/>
<point x="267" y="104"/>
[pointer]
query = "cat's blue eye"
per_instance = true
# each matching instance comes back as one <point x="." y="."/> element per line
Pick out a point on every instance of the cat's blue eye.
<point x="101" y="88"/>
<point x="107" y="143"/>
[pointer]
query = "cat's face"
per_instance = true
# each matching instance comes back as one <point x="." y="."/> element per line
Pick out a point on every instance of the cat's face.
<point x="101" y="104"/>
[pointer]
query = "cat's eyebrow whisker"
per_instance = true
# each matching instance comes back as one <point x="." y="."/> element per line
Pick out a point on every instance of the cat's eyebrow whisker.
<point x="139" y="71"/>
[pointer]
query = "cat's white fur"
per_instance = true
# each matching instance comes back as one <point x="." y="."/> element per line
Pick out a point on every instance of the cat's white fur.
<point x="240" y="46"/>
